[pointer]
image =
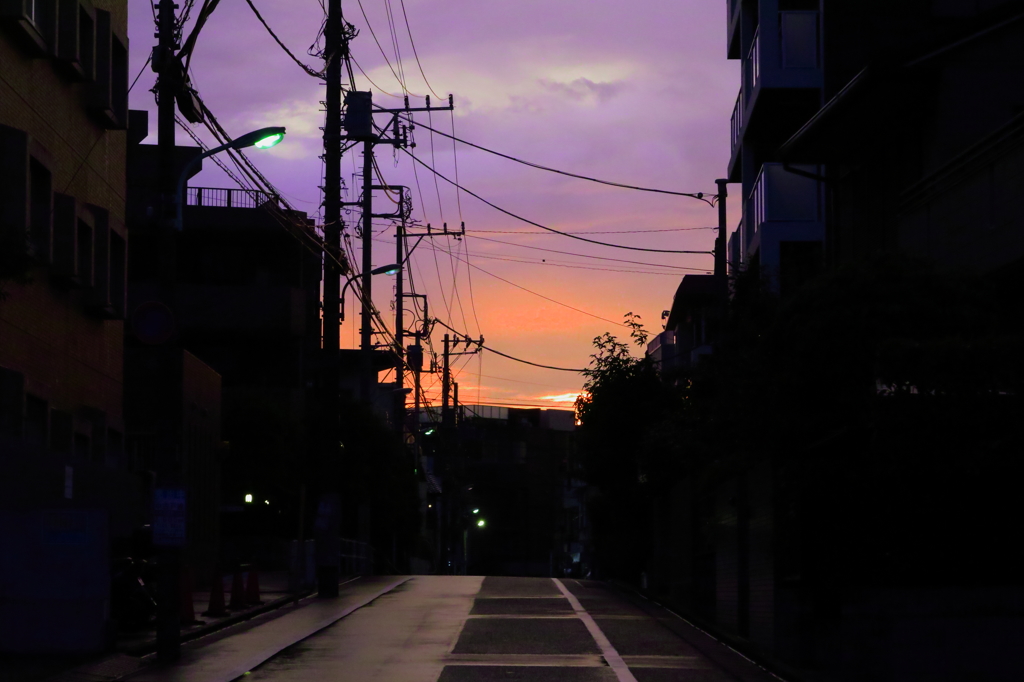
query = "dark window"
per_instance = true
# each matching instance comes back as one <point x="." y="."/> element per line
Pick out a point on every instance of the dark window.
<point x="37" y="422"/>
<point x="14" y="189"/>
<point x="32" y="22"/>
<point x="65" y="237"/>
<point x="62" y="431"/>
<point x="12" y="402"/>
<point x="82" y="447"/>
<point x="119" y="81"/>
<point x="87" y="43"/>
<point x="84" y="246"/>
<point x="115" y="449"/>
<point x="118" y="276"/>
<point x="108" y="97"/>
<point x="99" y="298"/>
<point x="41" y="209"/>
<point x="76" y="35"/>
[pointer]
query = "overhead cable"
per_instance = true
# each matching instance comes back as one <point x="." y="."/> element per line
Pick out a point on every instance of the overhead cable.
<point x="692" y="195"/>
<point x="309" y="70"/>
<point x="506" y="355"/>
<point x="543" y="227"/>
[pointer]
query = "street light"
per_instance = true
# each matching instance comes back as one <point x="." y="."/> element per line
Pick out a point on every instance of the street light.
<point x="264" y="138"/>
<point x="389" y="269"/>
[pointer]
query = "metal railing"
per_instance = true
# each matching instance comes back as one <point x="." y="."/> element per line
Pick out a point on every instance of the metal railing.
<point x="754" y="62"/>
<point x="736" y="123"/>
<point x="226" y="197"/>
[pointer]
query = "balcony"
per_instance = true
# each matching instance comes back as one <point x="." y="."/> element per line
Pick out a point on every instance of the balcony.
<point x="733" y="17"/>
<point x="784" y="54"/>
<point x="736" y="123"/>
<point x="784" y="206"/>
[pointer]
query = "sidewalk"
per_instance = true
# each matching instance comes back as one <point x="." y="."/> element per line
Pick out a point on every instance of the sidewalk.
<point x="133" y="650"/>
<point x="273" y="593"/>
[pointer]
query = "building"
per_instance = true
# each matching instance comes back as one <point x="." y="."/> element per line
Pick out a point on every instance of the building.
<point x="69" y="487"/>
<point x="690" y="326"/>
<point x="780" y="236"/>
<point x="241" y="299"/>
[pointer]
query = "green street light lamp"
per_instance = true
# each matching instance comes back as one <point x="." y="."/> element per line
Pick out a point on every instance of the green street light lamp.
<point x="264" y="138"/>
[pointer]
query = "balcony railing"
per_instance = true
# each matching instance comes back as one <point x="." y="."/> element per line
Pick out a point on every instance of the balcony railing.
<point x="782" y="196"/>
<point x="736" y="123"/>
<point x="227" y="197"/>
<point x="754" y="62"/>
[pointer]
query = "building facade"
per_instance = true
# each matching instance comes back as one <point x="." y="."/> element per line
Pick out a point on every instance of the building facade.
<point x="68" y="484"/>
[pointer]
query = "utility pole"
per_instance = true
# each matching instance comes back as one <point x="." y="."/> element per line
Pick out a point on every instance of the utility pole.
<point x="446" y="378"/>
<point x="359" y="112"/>
<point x="168" y="628"/>
<point x="721" y="262"/>
<point x="328" y="519"/>
<point x="721" y="259"/>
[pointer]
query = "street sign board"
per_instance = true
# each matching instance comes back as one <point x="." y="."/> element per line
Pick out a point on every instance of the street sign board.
<point x="169" y="516"/>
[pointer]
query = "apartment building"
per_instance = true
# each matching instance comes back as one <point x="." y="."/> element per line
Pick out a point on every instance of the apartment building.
<point x="68" y="485"/>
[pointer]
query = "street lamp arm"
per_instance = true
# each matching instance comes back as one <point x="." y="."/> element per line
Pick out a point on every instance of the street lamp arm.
<point x="263" y="138"/>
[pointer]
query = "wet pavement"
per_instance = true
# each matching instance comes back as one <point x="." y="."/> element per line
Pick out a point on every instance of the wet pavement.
<point x="467" y="629"/>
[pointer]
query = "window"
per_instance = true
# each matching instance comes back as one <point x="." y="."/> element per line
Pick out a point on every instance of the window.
<point x="40" y="210"/>
<point x="12" y="402"/>
<point x="62" y="429"/>
<point x="118" y="276"/>
<point x="115" y="449"/>
<point x="73" y="242"/>
<point x="84" y="252"/>
<point x="33" y="23"/>
<point x="76" y="35"/>
<point x="14" y="188"/>
<point x="82" y="447"/>
<point x="37" y="422"/>
<point x="65" y="238"/>
<point x="108" y="98"/>
<point x="99" y="297"/>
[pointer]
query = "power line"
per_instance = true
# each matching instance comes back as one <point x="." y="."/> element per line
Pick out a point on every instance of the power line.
<point x="543" y="227"/>
<point x="584" y="255"/>
<point x="665" y="229"/>
<point x="692" y="195"/>
<point x="309" y="70"/>
<point x="416" y="54"/>
<point x="517" y="359"/>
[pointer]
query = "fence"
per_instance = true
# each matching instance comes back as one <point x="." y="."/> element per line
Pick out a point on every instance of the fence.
<point x="227" y="197"/>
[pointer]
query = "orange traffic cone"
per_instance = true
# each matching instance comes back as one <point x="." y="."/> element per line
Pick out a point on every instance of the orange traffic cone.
<point x="252" y="589"/>
<point x="217" y="608"/>
<point x="187" y="611"/>
<point x="237" y="591"/>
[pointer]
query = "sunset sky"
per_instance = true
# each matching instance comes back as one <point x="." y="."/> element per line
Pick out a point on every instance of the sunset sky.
<point x="638" y="93"/>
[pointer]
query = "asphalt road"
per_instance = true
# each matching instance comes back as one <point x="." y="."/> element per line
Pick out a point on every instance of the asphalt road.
<point x="469" y="629"/>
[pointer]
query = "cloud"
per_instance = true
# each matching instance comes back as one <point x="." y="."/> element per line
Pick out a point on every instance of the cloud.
<point x="585" y="90"/>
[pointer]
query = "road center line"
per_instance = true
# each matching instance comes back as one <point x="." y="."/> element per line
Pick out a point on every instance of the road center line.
<point x="615" y="661"/>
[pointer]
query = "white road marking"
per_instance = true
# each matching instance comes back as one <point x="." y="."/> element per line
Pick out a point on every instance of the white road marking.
<point x="615" y="661"/>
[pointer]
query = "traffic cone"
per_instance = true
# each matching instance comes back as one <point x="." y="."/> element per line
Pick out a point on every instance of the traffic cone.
<point x="187" y="612"/>
<point x="217" y="608"/>
<point x="237" y="591"/>
<point x="252" y="589"/>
